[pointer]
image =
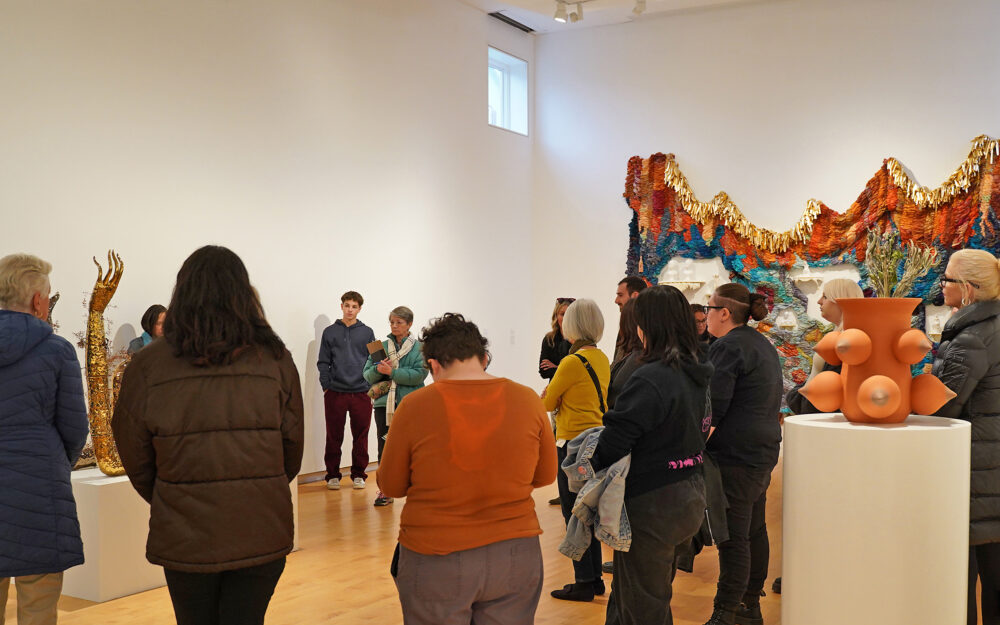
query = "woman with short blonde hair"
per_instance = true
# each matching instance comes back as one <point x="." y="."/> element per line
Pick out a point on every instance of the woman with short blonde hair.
<point x="22" y="276"/>
<point x="968" y="362"/>
<point x="43" y="426"/>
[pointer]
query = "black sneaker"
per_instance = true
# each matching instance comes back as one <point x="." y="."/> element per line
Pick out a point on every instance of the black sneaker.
<point x="599" y="587"/>
<point x="555" y="502"/>
<point x="608" y="567"/>
<point x="575" y="592"/>
<point x="722" y="615"/>
<point x="749" y="615"/>
<point x="776" y="586"/>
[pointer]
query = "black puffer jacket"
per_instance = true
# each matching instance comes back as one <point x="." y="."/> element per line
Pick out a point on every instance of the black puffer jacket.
<point x="968" y="362"/>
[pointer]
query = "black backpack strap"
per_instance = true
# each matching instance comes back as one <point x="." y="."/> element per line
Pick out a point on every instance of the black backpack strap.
<point x="593" y="376"/>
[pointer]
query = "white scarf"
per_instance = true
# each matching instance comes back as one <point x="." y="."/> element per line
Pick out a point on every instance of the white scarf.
<point x="394" y="356"/>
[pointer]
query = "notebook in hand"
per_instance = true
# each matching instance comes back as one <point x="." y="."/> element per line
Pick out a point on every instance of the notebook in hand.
<point x="376" y="351"/>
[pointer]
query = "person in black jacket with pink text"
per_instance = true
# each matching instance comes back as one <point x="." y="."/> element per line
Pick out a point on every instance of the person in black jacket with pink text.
<point x="746" y="400"/>
<point x="661" y="418"/>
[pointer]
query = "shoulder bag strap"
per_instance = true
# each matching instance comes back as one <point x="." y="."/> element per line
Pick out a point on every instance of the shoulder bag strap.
<point x="593" y="376"/>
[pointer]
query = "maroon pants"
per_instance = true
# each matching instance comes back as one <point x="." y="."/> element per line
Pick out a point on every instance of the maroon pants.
<point x="338" y="405"/>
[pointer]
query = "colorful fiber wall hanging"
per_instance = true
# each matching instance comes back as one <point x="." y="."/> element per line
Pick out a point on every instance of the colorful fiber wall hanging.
<point x="669" y="221"/>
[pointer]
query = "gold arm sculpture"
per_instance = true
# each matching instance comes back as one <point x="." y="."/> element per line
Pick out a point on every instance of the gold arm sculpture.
<point x="98" y="391"/>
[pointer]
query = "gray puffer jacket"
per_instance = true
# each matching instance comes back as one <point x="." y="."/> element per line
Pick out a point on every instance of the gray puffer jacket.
<point x="968" y="362"/>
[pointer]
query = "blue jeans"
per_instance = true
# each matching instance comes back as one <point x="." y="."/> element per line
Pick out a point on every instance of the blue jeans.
<point x="587" y="568"/>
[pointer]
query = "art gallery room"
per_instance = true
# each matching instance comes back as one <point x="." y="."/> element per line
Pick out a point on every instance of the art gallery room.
<point x="339" y="149"/>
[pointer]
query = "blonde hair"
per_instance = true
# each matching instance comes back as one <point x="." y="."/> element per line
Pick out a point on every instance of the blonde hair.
<point x="550" y="336"/>
<point x="583" y="322"/>
<point x="21" y="276"/>
<point x="838" y="288"/>
<point x="842" y="288"/>
<point x="980" y="267"/>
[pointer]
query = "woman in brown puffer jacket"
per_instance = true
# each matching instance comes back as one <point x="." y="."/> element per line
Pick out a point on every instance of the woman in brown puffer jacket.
<point x="209" y="428"/>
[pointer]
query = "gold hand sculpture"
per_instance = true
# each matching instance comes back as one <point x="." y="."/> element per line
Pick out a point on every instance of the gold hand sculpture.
<point x="98" y="391"/>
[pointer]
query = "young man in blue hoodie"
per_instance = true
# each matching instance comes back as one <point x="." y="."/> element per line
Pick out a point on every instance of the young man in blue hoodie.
<point x="342" y="355"/>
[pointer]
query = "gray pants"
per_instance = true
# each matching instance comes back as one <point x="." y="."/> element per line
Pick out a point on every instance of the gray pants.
<point x="497" y="584"/>
<point x="37" y="597"/>
<point x="661" y="520"/>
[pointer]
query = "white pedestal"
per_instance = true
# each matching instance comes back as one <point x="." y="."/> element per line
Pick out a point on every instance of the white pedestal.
<point x="875" y="521"/>
<point x="114" y="523"/>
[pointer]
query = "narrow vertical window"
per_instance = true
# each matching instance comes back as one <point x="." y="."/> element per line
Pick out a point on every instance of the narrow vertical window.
<point x="507" y="102"/>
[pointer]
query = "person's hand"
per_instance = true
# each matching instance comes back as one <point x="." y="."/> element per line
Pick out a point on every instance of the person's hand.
<point x="546" y="364"/>
<point x="385" y="367"/>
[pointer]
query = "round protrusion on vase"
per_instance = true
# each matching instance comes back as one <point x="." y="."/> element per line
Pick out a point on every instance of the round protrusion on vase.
<point x="928" y="394"/>
<point x="825" y="391"/>
<point x="879" y="396"/>
<point x="854" y="346"/>
<point x="911" y="346"/>
<point x="827" y="348"/>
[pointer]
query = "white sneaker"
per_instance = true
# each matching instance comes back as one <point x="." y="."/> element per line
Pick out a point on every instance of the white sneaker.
<point x="359" y="483"/>
<point x="333" y="484"/>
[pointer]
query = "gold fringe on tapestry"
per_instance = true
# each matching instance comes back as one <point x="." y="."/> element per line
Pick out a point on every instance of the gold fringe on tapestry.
<point x="721" y="208"/>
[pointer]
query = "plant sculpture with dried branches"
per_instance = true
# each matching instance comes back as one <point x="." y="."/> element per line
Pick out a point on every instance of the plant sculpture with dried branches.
<point x="882" y="259"/>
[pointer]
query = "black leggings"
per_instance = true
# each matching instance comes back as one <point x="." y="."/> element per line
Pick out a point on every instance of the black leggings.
<point x="238" y="597"/>
<point x="984" y="565"/>
<point x="381" y="429"/>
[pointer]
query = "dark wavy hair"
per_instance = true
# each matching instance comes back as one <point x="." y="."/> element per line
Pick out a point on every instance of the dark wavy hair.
<point x="150" y="316"/>
<point x="628" y="339"/>
<point x="666" y="320"/>
<point x="215" y="314"/>
<point x="451" y="338"/>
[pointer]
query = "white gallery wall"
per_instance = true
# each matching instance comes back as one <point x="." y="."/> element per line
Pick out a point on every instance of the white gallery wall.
<point x="334" y="145"/>
<point x="774" y="102"/>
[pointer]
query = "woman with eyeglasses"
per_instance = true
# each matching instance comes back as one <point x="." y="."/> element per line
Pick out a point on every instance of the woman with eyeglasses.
<point x="554" y="346"/>
<point x="968" y="362"/>
<point x="579" y="391"/>
<point x="746" y="434"/>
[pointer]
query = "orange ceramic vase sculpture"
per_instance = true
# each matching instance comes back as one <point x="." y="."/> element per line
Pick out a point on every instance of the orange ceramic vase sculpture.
<point x="876" y="349"/>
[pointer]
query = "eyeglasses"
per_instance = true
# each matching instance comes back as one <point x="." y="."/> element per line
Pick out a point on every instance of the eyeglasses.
<point x="707" y="307"/>
<point x="565" y="300"/>
<point x="954" y="281"/>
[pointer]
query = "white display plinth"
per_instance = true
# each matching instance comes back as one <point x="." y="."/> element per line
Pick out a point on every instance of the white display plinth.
<point x="114" y="523"/>
<point x="875" y="521"/>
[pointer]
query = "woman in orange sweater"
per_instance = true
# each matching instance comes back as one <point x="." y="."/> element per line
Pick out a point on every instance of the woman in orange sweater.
<point x="467" y="452"/>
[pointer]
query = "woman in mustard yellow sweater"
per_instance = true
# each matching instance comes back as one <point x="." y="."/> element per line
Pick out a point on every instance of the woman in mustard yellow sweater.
<point x="578" y="392"/>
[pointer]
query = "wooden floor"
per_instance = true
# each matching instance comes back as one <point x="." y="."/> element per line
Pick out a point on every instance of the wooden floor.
<point x="341" y="573"/>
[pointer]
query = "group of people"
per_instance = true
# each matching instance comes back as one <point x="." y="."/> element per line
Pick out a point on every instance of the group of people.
<point x="680" y="369"/>
<point x="209" y="426"/>
<point x="669" y="399"/>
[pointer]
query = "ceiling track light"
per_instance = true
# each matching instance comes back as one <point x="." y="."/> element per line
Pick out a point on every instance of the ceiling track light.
<point x="576" y="17"/>
<point x="640" y="7"/>
<point x="560" y="15"/>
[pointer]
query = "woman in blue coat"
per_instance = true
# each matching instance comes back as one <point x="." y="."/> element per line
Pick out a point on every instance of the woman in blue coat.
<point x="43" y="427"/>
